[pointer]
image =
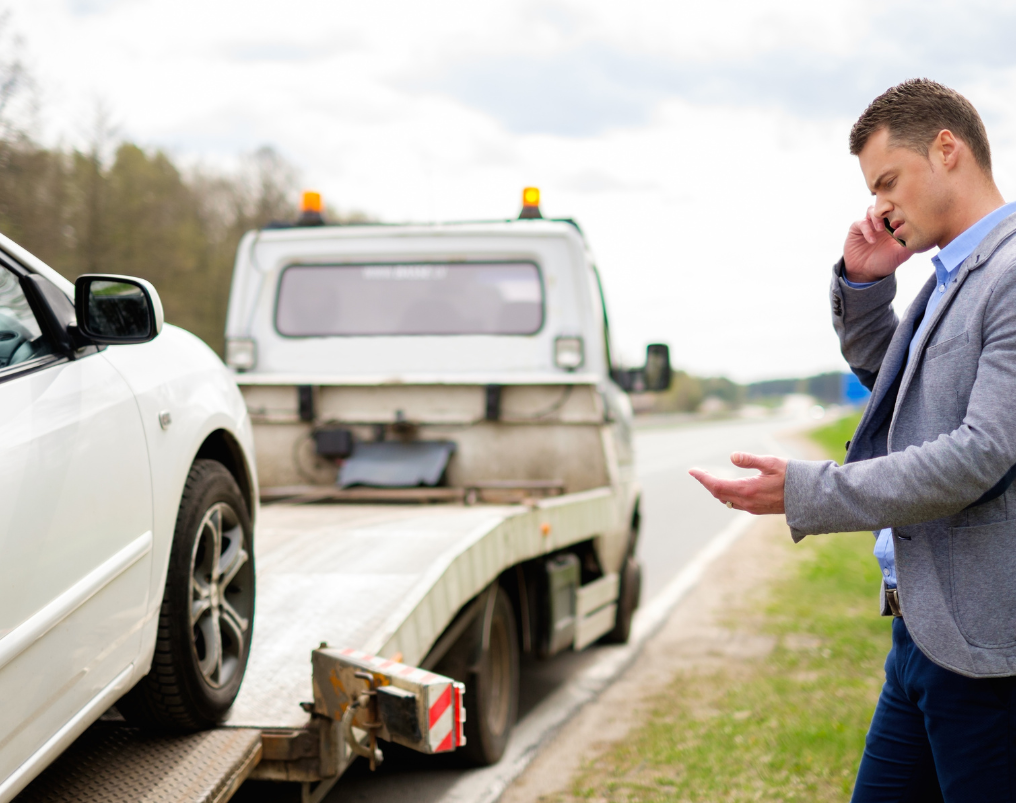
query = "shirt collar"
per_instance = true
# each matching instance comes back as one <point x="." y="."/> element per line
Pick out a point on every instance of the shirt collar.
<point x="952" y="256"/>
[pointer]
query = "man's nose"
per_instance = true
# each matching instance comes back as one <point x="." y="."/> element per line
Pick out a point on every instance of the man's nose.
<point x="883" y="208"/>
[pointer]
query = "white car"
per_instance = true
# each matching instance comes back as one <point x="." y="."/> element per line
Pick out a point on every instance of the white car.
<point x="127" y="499"/>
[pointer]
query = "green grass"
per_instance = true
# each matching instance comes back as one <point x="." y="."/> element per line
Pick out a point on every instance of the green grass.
<point x="789" y="726"/>
<point x="834" y="436"/>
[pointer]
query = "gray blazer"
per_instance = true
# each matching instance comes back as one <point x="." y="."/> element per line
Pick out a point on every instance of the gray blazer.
<point x="934" y="438"/>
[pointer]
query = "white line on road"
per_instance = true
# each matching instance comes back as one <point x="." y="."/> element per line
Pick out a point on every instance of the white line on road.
<point x="488" y="784"/>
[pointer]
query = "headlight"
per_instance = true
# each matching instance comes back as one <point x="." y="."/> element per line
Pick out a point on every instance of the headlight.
<point x="568" y="353"/>
<point x="241" y="353"/>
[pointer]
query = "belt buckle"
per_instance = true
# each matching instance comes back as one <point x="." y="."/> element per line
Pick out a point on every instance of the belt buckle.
<point x="892" y="598"/>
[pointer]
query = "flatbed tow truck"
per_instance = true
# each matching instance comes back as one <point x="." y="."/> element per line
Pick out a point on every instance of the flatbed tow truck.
<point x="447" y="480"/>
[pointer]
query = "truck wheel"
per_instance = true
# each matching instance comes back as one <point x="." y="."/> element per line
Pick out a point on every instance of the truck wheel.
<point x="486" y="659"/>
<point x="207" y="610"/>
<point x="627" y="601"/>
<point x="492" y="688"/>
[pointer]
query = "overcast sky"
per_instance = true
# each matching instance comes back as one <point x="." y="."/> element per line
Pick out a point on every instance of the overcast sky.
<point x="702" y="146"/>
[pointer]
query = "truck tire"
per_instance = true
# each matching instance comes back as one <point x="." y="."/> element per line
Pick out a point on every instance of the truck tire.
<point x="627" y="601"/>
<point x="486" y="659"/>
<point x="493" y="687"/>
<point x="207" y="610"/>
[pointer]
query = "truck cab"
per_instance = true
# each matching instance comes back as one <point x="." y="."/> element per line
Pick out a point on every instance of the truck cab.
<point x="493" y="336"/>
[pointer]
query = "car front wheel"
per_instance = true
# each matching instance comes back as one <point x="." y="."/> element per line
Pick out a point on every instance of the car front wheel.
<point x="207" y="612"/>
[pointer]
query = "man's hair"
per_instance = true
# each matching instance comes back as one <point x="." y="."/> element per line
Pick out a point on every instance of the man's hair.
<point x="914" y="112"/>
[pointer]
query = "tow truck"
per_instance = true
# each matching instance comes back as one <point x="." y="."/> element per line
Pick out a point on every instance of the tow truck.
<point x="444" y="452"/>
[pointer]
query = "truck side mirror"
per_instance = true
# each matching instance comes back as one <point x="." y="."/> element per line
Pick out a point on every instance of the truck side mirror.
<point x="117" y="310"/>
<point x="657" y="369"/>
<point x="654" y="376"/>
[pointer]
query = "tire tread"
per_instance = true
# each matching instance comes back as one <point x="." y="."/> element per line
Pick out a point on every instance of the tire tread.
<point x="159" y="700"/>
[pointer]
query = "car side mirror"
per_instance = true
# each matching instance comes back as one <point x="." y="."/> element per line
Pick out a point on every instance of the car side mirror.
<point x="117" y="310"/>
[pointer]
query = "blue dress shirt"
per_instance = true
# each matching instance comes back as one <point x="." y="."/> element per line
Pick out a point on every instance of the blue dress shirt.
<point x="947" y="263"/>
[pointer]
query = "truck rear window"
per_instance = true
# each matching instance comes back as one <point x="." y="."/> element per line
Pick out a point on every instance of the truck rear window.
<point x="421" y="298"/>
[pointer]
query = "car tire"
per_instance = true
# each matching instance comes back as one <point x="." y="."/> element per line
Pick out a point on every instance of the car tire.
<point x="627" y="602"/>
<point x="207" y="612"/>
<point x="486" y="659"/>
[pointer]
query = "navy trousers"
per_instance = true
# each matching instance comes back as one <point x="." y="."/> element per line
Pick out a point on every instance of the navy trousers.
<point x="936" y="735"/>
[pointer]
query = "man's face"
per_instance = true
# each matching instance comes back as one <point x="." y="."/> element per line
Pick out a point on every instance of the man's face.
<point x="909" y="190"/>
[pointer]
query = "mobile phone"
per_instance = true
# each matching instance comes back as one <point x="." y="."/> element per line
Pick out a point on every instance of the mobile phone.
<point x="892" y="234"/>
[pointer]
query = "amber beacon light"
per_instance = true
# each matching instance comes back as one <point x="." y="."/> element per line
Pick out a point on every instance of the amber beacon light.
<point x="311" y="202"/>
<point x="310" y="209"/>
<point x="530" y="203"/>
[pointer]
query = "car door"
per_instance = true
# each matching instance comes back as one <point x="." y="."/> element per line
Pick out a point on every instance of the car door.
<point x="75" y="531"/>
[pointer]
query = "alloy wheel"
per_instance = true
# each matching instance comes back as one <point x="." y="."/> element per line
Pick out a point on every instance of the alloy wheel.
<point x="221" y="595"/>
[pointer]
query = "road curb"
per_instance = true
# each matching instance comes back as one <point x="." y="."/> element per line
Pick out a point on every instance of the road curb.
<point x="543" y="722"/>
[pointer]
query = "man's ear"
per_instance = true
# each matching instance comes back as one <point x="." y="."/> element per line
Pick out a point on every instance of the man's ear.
<point x="945" y="149"/>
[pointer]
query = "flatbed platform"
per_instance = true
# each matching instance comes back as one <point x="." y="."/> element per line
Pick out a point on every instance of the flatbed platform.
<point x="384" y="579"/>
<point x="342" y="574"/>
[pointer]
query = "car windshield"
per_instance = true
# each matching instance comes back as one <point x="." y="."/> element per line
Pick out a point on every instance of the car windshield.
<point x="425" y="298"/>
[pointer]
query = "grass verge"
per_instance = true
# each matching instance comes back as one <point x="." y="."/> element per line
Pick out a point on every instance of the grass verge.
<point x="789" y="726"/>
<point x="833" y="437"/>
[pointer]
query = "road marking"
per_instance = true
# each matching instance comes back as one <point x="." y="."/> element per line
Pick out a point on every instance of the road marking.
<point x="539" y="726"/>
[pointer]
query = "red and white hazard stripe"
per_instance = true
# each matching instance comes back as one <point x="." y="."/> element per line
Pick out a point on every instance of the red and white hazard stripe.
<point x="445" y="707"/>
<point x="389" y="667"/>
<point x="447" y="717"/>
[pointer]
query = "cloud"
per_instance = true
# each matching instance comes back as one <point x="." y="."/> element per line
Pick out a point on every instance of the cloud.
<point x="88" y="8"/>
<point x="598" y="181"/>
<point x="579" y="92"/>
<point x="594" y="88"/>
<point x="292" y="51"/>
<point x="269" y="51"/>
<point x="588" y="87"/>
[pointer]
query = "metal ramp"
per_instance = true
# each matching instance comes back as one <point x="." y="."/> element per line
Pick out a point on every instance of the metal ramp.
<point x="348" y="575"/>
<point x="384" y="579"/>
<point x="114" y="763"/>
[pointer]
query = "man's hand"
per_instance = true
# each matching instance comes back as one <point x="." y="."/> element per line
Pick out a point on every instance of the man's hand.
<point x="870" y="253"/>
<point x="760" y="494"/>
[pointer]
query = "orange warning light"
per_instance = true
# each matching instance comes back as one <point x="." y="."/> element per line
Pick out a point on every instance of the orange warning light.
<point x="531" y="196"/>
<point x="545" y="528"/>
<point x="311" y="202"/>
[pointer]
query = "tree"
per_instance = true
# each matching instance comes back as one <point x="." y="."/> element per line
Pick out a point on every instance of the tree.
<point x="153" y="229"/>
<point x="137" y="214"/>
<point x="115" y="207"/>
<point x="17" y="97"/>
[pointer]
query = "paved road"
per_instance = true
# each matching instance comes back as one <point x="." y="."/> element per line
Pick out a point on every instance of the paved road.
<point x="679" y="518"/>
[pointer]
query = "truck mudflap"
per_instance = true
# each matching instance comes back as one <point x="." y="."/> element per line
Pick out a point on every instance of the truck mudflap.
<point x="388" y="700"/>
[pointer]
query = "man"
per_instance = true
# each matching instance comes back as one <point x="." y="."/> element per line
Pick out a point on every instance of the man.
<point x="930" y="468"/>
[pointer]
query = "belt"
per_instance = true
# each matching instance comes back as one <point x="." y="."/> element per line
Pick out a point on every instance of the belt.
<point x="892" y="598"/>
